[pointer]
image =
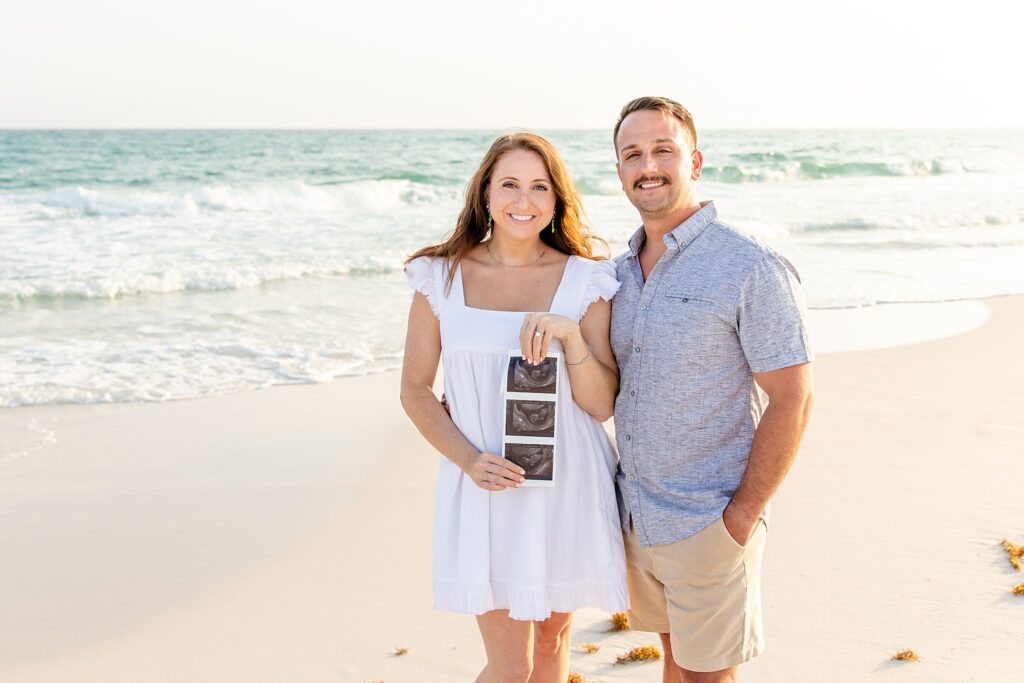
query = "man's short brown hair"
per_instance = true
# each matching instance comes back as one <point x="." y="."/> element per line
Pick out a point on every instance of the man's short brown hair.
<point x="662" y="104"/>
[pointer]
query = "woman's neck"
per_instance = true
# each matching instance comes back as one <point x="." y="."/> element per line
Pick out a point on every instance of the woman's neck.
<point x="516" y="253"/>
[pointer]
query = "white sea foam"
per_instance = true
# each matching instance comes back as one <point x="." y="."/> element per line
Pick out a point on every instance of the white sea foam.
<point x="287" y="197"/>
<point x="21" y="439"/>
<point x="196" y="277"/>
<point x="141" y="370"/>
<point x="167" y="275"/>
<point x="788" y="171"/>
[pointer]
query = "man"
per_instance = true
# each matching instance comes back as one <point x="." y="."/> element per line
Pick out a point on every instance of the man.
<point x="715" y="390"/>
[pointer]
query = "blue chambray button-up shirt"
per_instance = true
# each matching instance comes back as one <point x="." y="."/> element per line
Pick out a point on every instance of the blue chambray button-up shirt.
<point x="717" y="307"/>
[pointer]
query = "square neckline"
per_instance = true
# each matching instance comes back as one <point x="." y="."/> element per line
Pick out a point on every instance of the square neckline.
<point x="551" y="306"/>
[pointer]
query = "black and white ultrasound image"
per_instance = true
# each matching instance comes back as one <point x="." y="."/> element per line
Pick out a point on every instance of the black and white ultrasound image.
<point x="524" y="378"/>
<point x="529" y="418"/>
<point x="537" y="459"/>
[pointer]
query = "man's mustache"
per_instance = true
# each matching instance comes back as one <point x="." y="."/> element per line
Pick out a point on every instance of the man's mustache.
<point x="647" y="179"/>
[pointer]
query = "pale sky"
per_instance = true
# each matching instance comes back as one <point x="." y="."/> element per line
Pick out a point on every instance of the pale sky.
<point x="478" y="64"/>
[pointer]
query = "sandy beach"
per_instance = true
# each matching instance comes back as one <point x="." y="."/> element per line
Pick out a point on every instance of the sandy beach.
<point x="284" y="534"/>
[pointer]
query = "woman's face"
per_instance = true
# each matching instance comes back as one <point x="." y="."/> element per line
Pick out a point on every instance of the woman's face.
<point x="521" y="195"/>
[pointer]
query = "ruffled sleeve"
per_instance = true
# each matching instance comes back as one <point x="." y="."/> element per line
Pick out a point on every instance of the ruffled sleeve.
<point x="602" y="283"/>
<point x="422" y="275"/>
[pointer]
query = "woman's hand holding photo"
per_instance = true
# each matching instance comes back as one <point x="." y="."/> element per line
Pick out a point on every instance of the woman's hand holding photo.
<point x="493" y="473"/>
<point x="540" y="329"/>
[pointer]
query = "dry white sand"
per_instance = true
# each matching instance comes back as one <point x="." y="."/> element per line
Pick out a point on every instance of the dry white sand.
<point x="284" y="535"/>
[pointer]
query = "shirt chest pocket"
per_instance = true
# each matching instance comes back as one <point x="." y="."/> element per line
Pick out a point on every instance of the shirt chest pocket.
<point x="685" y="318"/>
<point x="689" y="300"/>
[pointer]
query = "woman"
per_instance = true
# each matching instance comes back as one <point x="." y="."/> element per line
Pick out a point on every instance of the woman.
<point x="518" y="273"/>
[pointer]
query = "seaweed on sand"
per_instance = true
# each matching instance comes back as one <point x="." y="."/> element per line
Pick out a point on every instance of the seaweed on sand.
<point x="1014" y="552"/>
<point x="906" y="655"/>
<point x="644" y="653"/>
<point x="620" y="622"/>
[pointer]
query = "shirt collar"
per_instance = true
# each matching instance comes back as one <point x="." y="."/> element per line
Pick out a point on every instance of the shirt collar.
<point x="683" y="234"/>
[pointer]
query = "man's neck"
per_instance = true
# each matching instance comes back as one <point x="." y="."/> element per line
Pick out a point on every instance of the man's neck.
<point x="655" y="228"/>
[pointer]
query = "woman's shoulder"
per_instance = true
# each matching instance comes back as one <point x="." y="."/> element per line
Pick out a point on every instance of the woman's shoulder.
<point x="591" y="268"/>
<point x="434" y="266"/>
<point x="425" y="261"/>
<point x="596" y="279"/>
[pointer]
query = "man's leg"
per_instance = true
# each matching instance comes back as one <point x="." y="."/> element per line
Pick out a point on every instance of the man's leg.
<point x="713" y="595"/>
<point x="647" y="601"/>
<point x="671" y="673"/>
<point x="723" y="676"/>
<point x="704" y="591"/>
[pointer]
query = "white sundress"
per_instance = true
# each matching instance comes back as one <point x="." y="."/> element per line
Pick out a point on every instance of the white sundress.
<point x="532" y="551"/>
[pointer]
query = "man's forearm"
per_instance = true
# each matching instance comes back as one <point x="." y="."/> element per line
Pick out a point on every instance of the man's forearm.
<point x="776" y="441"/>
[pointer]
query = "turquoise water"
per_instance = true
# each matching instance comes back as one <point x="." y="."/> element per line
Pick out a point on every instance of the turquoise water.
<point x="153" y="265"/>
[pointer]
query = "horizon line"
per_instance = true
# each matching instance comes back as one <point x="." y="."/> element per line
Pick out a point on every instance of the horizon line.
<point x="479" y="128"/>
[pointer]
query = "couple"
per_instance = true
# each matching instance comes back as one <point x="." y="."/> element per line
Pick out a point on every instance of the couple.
<point x="703" y="359"/>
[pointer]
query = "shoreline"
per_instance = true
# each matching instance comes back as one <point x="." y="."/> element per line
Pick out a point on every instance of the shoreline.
<point x="834" y="330"/>
<point x="886" y="326"/>
<point x="285" y="534"/>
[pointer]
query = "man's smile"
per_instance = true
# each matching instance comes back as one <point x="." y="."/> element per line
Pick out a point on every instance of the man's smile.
<point x="650" y="183"/>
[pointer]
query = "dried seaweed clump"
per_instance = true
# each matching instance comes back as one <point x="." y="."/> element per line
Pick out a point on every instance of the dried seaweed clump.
<point x="399" y="651"/>
<point x="589" y="648"/>
<point x="644" y="653"/>
<point x="1014" y="552"/>
<point x="907" y="655"/>
<point x="1018" y="589"/>
<point x="620" y="622"/>
<point x="575" y="677"/>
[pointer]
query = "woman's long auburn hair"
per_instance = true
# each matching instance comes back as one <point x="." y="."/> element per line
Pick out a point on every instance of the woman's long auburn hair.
<point x="571" y="236"/>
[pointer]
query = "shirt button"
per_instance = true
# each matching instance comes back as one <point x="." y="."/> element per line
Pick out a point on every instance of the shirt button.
<point x="632" y="393"/>
<point x="630" y="477"/>
<point x="637" y="349"/>
<point x="628" y="437"/>
<point x="643" y="307"/>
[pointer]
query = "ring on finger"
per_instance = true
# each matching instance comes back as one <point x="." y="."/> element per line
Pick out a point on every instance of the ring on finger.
<point x="538" y="333"/>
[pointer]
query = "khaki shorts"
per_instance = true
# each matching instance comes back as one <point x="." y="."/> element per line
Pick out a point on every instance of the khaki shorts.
<point x="705" y="591"/>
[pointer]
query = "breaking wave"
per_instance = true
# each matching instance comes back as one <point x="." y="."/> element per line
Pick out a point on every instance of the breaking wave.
<point x="81" y="201"/>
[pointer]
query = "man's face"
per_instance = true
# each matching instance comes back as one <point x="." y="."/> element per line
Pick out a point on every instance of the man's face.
<point x="657" y="165"/>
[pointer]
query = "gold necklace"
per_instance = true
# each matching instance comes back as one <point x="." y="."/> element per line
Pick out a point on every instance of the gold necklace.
<point x="509" y="265"/>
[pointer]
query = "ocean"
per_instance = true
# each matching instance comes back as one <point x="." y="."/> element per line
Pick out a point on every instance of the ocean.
<point x="160" y="265"/>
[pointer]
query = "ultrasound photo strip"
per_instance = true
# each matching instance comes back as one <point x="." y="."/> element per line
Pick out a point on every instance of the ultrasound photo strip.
<point x="530" y="412"/>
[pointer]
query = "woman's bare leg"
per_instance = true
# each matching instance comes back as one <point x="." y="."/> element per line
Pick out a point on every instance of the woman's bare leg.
<point x="509" y="646"/>
<point x="551" y="648"/>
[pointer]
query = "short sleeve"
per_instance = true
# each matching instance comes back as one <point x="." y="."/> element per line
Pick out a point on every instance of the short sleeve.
<point x="422" y="274"/>
<point x="602" y="283"/>
<point x="772" y="316"/>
